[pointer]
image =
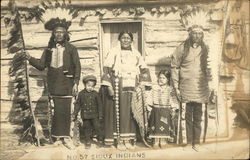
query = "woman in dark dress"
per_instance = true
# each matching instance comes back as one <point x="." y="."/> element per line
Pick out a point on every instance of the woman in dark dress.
<point x="122" y="69"/>
<point x="62" y="60"/>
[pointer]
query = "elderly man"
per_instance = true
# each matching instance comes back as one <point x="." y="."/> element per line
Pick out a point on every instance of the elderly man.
<point x="190" y="76"/>
<point x="62" y="60"/>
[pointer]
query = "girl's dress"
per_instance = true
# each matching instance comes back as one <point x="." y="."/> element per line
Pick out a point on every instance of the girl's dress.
<point x="160" y="120"/>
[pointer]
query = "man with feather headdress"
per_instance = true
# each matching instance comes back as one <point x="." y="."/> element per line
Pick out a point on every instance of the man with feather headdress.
<point x="190" y="76"/>
<point x="62" y="60"/>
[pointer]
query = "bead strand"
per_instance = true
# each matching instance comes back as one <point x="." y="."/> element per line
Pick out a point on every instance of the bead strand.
<point x="117" y="106"/>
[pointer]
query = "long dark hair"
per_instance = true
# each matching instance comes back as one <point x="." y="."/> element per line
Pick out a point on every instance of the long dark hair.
<point x="166" y="73"/>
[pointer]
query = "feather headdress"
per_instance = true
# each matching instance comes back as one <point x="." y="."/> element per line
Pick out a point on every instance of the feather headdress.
<point x="197" y="19"/>
<point x="54" y="14"/>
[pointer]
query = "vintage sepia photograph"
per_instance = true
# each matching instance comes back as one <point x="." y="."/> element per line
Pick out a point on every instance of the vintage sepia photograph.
<point x="124" y="79"/>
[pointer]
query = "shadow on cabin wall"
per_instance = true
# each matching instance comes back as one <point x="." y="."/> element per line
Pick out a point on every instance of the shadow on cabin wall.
<point x="162" y="64"/>
<point x="242" y="110"/>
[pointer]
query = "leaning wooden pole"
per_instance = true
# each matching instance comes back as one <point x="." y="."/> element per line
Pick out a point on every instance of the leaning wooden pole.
<point x="19" y="70"/>
<point x="29" y="101"/>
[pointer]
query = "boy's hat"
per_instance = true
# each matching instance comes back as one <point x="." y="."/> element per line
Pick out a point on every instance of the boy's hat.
<point x="89" y="78"/>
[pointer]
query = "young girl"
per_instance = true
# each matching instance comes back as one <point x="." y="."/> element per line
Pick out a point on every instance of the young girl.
<point x="163" y="104"/>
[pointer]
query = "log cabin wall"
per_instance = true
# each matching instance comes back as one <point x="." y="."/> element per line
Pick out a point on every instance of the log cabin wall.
<point x="162" y="32"/>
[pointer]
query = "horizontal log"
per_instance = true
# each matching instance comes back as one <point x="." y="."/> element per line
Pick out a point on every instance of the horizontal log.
<point x="6" y="105"/>
<point x="7" y="93"/>
<point x="83" y="53"/>
<point x="166" y="51"/>
<point x="160" y="25"/>
<point x="39" y="107"/>
<point x="8" y="128"/>
<point x="5" y="73"/>
<point x="162" y="44"/>
<point x="157" y="62"/>
<point x="90" y="61"/>
<point x="4" y="33"/>
<point x="162" y="36"/>
<point x="84" y="44"/>
<point x="4" y="117"/>
<point x="88" y="53"/>
<point x="37" y="53"/>
<point x="159" y="56"/>
<point x="75" y="27"/>
<point x="13" y="114"/>
<point x="40" y="40"/>
<point x="78" y="47"/>
<point x="87" y="58"/>
<point x="169" y="16"/>
<point x="5" y="55"/>
<point x="7" y="82"/>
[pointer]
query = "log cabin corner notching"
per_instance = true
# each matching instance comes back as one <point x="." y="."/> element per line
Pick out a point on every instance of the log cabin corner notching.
<point x="157" y="32"/>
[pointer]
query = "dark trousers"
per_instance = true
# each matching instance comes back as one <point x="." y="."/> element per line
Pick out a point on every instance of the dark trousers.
<point x="193" y="122"/>
<point x="89" y="125"/>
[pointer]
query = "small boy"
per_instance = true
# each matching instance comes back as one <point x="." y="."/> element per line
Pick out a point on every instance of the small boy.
<point x="89" y="103"/>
